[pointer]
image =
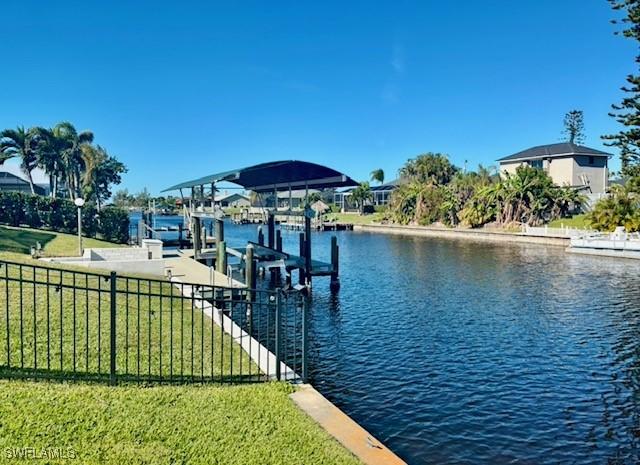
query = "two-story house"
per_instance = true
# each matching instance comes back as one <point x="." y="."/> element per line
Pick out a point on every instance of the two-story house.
<point x="567" y="164"/>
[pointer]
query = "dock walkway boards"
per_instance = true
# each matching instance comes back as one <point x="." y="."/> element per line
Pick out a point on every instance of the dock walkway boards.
<point x="193" y="272"/>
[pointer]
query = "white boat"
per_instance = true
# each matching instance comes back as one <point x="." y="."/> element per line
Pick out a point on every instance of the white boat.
<point x="616" y="244"/>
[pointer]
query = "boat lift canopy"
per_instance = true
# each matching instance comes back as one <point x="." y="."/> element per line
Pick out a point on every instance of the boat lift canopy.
<point x="276" y="176"/>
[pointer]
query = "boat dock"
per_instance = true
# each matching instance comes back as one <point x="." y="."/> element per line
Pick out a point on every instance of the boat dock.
<point x="188" y="270"/>
<point x="324" y="226"/>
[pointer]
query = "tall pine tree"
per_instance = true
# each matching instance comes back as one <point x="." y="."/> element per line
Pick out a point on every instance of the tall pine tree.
<point x="574" y="127"/>
<point x="627" y="112"/>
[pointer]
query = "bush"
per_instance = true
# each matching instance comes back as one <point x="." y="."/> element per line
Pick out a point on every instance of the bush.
<point x="621" y="208"/>
<point x="11" y="208"/>
<point x="61" y="215"/>
<point x="114" y="224"/>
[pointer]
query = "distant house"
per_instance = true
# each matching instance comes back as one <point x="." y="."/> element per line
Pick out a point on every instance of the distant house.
<point x="381" y="195"/>
<point x="567" y="164"/>
<point x="12" y="182"/>
<point x="293" y="200"/>
<point x="233" y="200"/>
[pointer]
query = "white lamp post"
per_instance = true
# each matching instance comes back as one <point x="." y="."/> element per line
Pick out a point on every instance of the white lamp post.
<point x="79" y="203"/>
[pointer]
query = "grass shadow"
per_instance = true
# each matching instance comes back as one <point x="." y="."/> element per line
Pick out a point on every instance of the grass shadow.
<point x="29" y="374"/>
<point x="21" y="241"/>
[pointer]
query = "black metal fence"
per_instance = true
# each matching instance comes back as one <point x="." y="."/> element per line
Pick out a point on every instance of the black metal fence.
<point x="66" y="324"/>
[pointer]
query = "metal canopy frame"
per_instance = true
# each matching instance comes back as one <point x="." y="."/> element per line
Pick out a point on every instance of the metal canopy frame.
<point x="276" y="176"/>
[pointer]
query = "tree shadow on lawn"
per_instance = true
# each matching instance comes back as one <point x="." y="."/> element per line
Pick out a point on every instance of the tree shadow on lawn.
<point x="21" y="241"/>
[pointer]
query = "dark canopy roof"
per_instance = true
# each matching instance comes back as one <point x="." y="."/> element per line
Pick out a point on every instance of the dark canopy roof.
<point x="276" y="175"/>
<point x="554" y="150"/>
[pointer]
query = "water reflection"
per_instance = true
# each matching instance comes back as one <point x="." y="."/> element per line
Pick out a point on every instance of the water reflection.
<point x="464" y="352"/>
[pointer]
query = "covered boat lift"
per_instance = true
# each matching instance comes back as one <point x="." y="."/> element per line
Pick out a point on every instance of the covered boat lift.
<point x="271" y="177"/>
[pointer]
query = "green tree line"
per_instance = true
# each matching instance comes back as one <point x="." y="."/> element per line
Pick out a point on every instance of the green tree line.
<point x="434" y="190"/>
<point x="76" y="167"/>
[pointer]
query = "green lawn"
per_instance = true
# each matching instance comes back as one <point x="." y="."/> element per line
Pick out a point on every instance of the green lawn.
<point x="256" y="424"/>
<point x="20" y="240"/>
<point x="131" y="423"/>
<point x="576" y="221"/>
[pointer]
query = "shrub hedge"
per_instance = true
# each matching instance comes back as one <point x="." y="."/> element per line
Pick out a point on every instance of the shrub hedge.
<point x="60" y="215"/>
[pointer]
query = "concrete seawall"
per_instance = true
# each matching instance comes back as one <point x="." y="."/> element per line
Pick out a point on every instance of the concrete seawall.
<point x="464" y="234"/>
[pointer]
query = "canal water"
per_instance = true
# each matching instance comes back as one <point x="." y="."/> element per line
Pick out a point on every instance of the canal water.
<point x="462" y="352"/>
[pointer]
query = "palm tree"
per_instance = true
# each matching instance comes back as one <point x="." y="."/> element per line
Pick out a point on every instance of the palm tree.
<point x="4" y="157"/>
<point x="92" y="158"/>
<point x="71" y="146"/>
<point x="378" y="175"/>
<point x="20" y="143"/>
<point x="47" y="150"/>
<point x="361" y="194"/>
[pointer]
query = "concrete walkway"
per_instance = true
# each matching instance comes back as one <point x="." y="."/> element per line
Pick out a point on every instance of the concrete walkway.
<point x="350" y="434"/>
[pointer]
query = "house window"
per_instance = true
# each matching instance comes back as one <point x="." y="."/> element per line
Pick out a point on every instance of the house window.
<point x="592" y="160"/>
<point x="536" y="163"/>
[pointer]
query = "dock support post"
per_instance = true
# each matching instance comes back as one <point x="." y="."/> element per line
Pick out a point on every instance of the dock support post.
<point x="203" y="238"/>
<point x="250" y="271"/>
<point x="301" y="277"/>
<point x="221" y="260"/>
<point x="307" y="249"/>
<point x="279" y="240"/>
<point x="271" y="227"/>
<point x="141" y="232"/>
<point x="150" y="223"/>
<point x="260" y="236"/>
<point x="180" y="236"/>
<point x="219" y="230"/>
<point x="334" y="285"/>
<point x="196" y="235"/>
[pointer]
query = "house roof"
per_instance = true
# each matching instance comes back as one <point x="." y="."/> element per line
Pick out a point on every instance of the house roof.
<point x="276" y="175"/>
<point x="9" y="181"/>
<point x="562" y="149"/>
<point x="319" y="206"/>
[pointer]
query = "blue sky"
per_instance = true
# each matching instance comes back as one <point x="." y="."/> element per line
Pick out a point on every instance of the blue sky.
<point x="177" y="90"/>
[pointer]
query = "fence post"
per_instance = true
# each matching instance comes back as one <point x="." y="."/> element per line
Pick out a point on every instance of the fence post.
<point x="305" y="338"/>
<point x="112" y="330"/>
<point x="278" y="324"/>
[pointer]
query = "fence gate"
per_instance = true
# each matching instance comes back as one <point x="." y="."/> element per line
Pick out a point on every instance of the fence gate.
<point x="65" y="324"/>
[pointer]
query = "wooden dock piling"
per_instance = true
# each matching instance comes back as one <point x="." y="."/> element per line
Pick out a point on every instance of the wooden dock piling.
<point x="196" y="236"/>
<point x="203" y="236"/>
<point x="219" y="235"/>
<point x="334" y="285"/>
<point x="260" y="236"/>
<point x="279" y="240"/>
<point x="221" y="259"/>
<point x="250" y="269"/>
<point x="271" y="227"/>
<point x="307" y="249"/>
<point x="301" y="276"/>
